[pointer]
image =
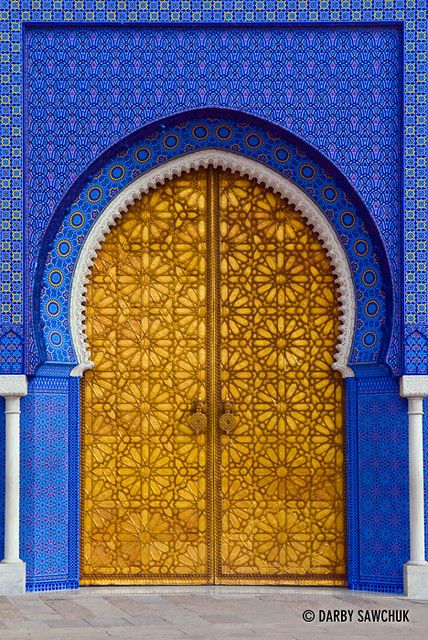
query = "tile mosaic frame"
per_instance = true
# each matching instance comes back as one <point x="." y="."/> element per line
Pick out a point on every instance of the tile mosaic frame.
<point x="176" y="137"/>
<point x="413" y="18"/>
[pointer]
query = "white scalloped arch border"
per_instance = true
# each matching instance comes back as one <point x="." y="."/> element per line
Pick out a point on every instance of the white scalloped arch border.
<point x="245" y="167"/>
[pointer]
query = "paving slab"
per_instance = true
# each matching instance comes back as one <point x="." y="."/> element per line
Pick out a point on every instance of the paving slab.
<point x="150" y="632"/>
<point x="66" y="623"/>
<point x="25" y="625"/>
<point x="140" y="620"/>
<point x="70" y="634"/>
<point x="67" y="607"/>
<point x="99" y="606"/>
<point x="107" y="622"/>
<point x="9" y="611"/>
<point x="223" y="619"/>
<point x="132" y="605"/>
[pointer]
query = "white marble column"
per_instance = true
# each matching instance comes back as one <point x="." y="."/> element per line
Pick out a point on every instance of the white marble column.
<point x="415" y="388"/>
<point x="12" y="569"/>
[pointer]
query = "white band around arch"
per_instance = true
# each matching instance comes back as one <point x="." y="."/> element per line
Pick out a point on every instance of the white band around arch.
<point x="245" y="167"/>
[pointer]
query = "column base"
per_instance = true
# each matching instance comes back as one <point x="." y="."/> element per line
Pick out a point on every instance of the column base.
<point x="416" y="580"/>
<point x="12" y="578"/>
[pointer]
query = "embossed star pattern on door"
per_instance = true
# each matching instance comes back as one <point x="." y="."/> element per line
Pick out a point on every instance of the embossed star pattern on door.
<point x="212" y="432"/>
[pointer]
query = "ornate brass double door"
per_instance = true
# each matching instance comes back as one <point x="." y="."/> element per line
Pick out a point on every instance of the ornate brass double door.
<point x="212" y="420"/>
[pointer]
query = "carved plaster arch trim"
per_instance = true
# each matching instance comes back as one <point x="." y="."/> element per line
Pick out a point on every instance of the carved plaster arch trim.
<point x="245" y="167"/>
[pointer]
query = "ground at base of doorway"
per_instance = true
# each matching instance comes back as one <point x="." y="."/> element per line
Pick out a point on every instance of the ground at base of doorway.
<point x="205" y="613"/>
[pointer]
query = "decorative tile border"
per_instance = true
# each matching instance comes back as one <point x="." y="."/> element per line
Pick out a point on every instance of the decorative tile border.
<point x="410" y="13"/>
<point x="177" y="138"/>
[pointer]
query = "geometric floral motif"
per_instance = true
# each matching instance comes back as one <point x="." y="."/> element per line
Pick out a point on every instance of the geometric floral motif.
<point x="282" y="506"/>
<point x="11" y="349"/>
<point x="244" y="136"/>
<point x="49" y="493"/>
<point x="416" y="350"/>
<point x="380" y="523"/>
<point x="143" y="470"/>
<point x="313" y="98"/>
<point x="354" y="23"/>
<point x="153" y="492"/>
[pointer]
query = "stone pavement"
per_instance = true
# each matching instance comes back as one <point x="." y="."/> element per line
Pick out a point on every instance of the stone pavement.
<point x="208" y="613"/>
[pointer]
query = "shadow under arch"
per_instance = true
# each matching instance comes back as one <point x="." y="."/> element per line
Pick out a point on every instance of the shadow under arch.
<point x="174" y="140"/>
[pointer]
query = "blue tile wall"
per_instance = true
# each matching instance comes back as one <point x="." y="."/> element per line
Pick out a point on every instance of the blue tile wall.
<point x="382" y="481"/>
<point x="250" y="137"/>
<point x="407" y="15"/>
<point x="337" y="88"/>
<point x="49" y="491"/>
<point x="377" y="481"/>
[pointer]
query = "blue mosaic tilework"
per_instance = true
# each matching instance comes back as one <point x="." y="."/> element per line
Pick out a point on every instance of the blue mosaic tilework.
<point x="378" y="488"/>
<point x="308" y="80"/>
<point x="377" y="485"/>
<point x="46" y="490"/>
<point x="11" y="349"/>
<point x="244" y="136"/>
<point x="416" y="350"/>
<point x="410" y="14"/>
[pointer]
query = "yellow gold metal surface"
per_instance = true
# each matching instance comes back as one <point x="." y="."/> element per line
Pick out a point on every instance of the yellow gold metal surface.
<point x="227" y="419"/>
<point x="144" y="510"/>
<point x="281" y="516"/>
<point x="213" y="360"/>
<point x="212" y="290"/>
<point x="198" y="419"/>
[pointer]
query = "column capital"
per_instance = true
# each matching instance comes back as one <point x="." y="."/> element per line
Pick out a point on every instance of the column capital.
<point x="413" y="386"/>
<point x="13" y="386"/>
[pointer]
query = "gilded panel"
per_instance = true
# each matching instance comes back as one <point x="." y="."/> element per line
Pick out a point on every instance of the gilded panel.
<point x="281" y="514"/>
<point x="144" y="495"/>
<point x="212" y="288"/>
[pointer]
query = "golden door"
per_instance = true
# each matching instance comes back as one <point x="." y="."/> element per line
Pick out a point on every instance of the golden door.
<point x="212" y="439"/>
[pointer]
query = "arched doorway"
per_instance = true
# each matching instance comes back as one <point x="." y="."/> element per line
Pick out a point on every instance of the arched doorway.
<point x="212" y="439"/>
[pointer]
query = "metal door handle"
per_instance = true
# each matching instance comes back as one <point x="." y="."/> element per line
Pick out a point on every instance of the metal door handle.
<point x="227" y="419"/>
<point x="198" y="419"/>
